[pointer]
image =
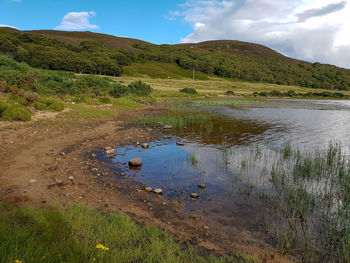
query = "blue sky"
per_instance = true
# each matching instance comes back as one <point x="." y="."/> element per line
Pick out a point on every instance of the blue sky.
<point x="311" y="30"/>
<point x="140" y="19"/>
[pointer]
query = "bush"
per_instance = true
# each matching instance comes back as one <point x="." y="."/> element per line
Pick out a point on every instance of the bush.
<point x="189" y="91"/>
<point x="47" y="101"/>
<point x="57" y="106"/>
<point x="19" y="100"/>
<point x="39" y="105"/>
<point x="118" y="90"/>
<point x="140" y="88"/>
<point x="3" y="107"/>
<point x="105" y="100"/>
<point x="16" y="113"/>
<point x="229" y="92"/>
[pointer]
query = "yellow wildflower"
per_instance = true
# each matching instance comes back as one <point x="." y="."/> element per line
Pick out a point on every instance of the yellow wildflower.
<point x="18" y="261"/>
<point x="102" y="247"/>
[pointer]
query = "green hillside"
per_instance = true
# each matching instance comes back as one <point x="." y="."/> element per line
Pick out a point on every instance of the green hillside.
<point x="92" y="53"/>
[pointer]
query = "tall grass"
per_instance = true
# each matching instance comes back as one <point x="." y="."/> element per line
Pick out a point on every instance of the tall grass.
<point x="80" y="234"/>
<point x="308" y="199"/>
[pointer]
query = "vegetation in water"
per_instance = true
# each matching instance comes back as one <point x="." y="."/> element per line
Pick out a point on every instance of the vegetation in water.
<point x="308" y="199"/>
<point x="81" y="234"/>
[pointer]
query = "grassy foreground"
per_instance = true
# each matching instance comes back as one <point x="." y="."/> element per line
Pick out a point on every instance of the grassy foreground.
<point x="81" y="234"/>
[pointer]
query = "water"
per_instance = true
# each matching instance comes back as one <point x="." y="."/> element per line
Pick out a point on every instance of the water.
<point x="215" y="154"/>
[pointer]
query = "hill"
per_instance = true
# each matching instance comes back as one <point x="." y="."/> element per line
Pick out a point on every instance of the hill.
<point x="87" y="52"/>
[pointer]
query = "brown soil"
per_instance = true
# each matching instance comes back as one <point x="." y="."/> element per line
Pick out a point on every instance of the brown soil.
<point x="42" y="164"/>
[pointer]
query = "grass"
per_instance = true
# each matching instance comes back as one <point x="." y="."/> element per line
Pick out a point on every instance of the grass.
<point x="176" y="118"/>
<point x="80" y="234"/>
<point x="308" y="199"/>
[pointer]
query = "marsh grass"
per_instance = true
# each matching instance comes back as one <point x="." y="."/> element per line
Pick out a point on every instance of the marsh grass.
<point x="307" y="196"/>
<point x="80" y="234"/>
<point x="178" y="118"/>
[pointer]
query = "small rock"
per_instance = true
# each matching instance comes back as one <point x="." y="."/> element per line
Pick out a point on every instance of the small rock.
<point x="202" y="186"/>
<point x="71" y="178"/>
<point x="158" y="191"/>
<point x="108" y="148"/>
<point x="31" y="181"/>
<point x="207" y="96"/>
<point x="62" y="153"/>
<point x="148" y="189"/>
<point x="167" y="127"/>
<point x="59" y="182"/>
<point x="93" y="156"/>
<point x="53" y="167"/>
<point x="122" y="174"/>
<point x="110" y="151"/>
<point x="194" y="195"/>
<point x="180" y="144"/>
<point x="135" y="162"/>
<point x="138" y="143"/>
<point x="145" y="145"/>
<point x="206" y="227"/>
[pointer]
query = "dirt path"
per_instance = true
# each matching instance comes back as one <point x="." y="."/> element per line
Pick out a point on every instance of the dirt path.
<point x="52" y="164"/>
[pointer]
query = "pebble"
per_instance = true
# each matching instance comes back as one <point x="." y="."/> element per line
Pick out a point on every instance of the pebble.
<point x="148" y="189"/>
<point x="158" y="191"/>
<point x="110" y="151"/>
<point x="180" y="144"/>
<point x="167" y="127"/>
<point x="135" y="162"/>
<point x="194" y="195"/>
<point x="31" y="181"/>
<point x="71" y="178"/>
<point x="202" y="186"/>
<point x="145" y="145"/>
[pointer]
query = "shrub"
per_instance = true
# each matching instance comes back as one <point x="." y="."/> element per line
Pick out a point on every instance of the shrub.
<point x="229" y="92"/>
<point x="39" y="105"/>
<point x="105" y="100"/>
<point x="118" y="90"/>
<point x="189" y="91"/>
<point x="16" y="113"/>
<point x="276" y="93"/>
<point x="57" y="106"/>
<point x="47" y="101"/>
<point x="140" y="88"/>
<point x="290" y="93"/>
<point x="19" y="100"/>
<point x="3" y="107"/>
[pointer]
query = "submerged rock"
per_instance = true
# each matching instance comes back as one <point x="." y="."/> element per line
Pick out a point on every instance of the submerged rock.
<point x="180" y="144"/>
<point x="110" y="151"/>
<point x="135" y="162"/>
<point x="158" y="191"/>
<point x="194" y="195"/>
<point x="201" y="186"/>
<point x="145" y="145"/>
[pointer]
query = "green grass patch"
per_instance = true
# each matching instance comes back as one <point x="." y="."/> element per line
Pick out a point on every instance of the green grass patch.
<point x="189" y="91"/>
<point x="39" y="105"/>
<point x="88" y="112"/>
<point x="81" y="234"/>
<point x="16" y="113"/>
<point x="57" y="106"/>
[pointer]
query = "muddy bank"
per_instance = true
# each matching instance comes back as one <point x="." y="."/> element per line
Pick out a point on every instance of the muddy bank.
<point x="45" y="164"/>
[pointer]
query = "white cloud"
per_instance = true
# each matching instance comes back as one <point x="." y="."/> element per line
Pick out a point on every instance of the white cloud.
<point x="77" y="21"/>
<point x="1" y="25"/>
<point x="313" y="30"/>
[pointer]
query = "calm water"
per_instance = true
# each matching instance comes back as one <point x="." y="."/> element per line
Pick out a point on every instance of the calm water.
<point x="213" y="155"/>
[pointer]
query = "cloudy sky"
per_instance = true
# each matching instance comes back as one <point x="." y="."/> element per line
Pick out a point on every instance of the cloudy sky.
<point x="312" y="30"/>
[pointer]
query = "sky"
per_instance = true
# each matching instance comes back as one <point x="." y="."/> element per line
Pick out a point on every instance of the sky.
<point x="311" y="30"/>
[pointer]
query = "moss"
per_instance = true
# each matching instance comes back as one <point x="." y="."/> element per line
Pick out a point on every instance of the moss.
<point x="57" y="106"/>
<point x="39" y="105"/>
<point x="16" y="113"/>
<point x="105" y="100"/>
<point x="188" y="91"/>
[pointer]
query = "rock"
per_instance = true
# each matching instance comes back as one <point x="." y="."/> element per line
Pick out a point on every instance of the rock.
<point x="180" y="144"/>
<point x="71" y="178"/>
<point x="110" y="151"/>
<point x="145" y="145"/>
<point x="201" y="186"/>
<point x="158" y="191"/>
<point x="53" y="167"/>
<point x="138" y="143"/>
<point x="108" y="148"/>
<point x="194" y="195"/>
<point x="93" y="156"/>
<point x="135" y="162"/>
<point x="31" y="181"/>
<point x="167" y="127"/>
<point x="207" y="96"/>
<point x="148" y="189"/>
